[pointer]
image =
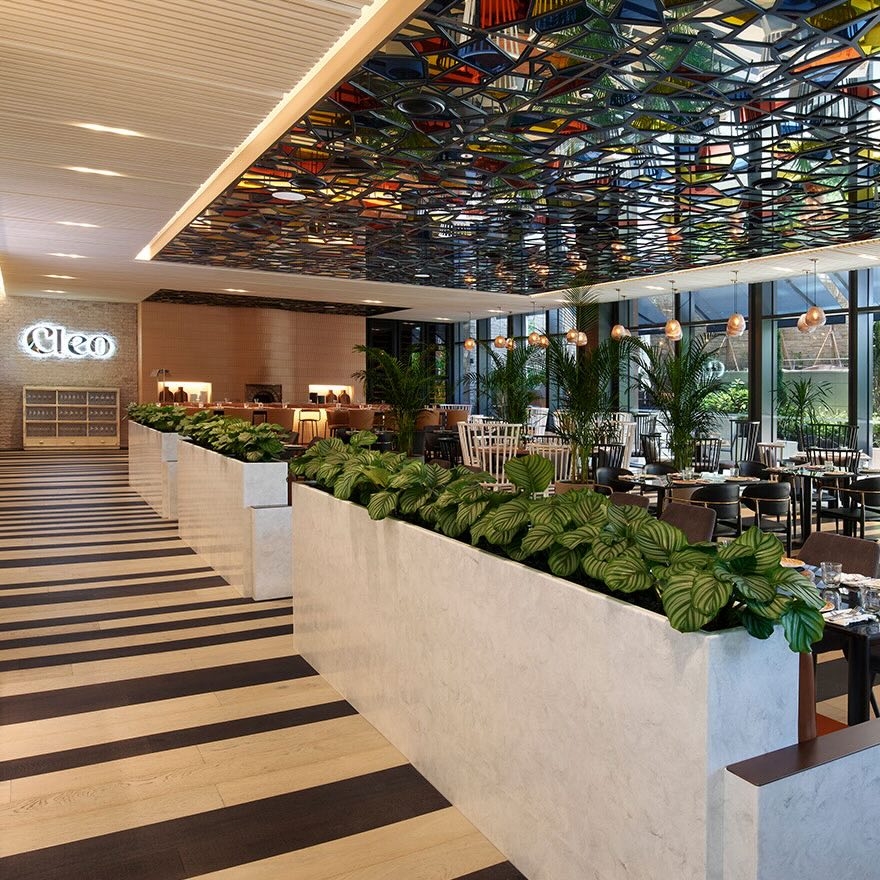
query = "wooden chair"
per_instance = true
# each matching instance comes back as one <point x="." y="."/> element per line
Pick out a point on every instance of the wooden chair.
<point x="361" y="419"/>
<point x="724" y="500"/>
<point x="281" y="416"/>
<point x="768" y="499"/>
<point x="455" y="416"/>
<point x="697" y="523"/>
<point x="622" y="499"/>
<point x="707" y="454"/>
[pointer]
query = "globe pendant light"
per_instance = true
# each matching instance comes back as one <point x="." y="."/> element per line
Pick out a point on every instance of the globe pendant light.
<point x="510" y="344"/>
<point x="815" y="316"/>
<point x="802" y="324"/>
<point x="673" y="325"/>
<point x="736" y="323"/>
<point x="543" y="341"/>
<point x="534" y="338"/>
<point x="571" y="336"/>
<point x="582" y="339"/>
<point x="618" y="331"/>
<point x="500" y="341"/>
<point x="470" y="343"/>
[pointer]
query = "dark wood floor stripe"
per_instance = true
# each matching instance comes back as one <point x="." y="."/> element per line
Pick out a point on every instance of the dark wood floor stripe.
<point x="90" y="697"/>
<point x="127" y="528"/>
<point x="52" y="762"/>
<point x="97" y="507"/>
<point x="132" y="576"/>
<point x="502" y="871"/>
<point x="80" y="558"/>
<point x="181" y="848"/>
<point x="25" y="600"/>
<point x="163" y="647"/>
<point x="68" y="522"/>
<point x="75" y="544"/>
<point x="90" y="635"/>
<point x="98" y="616"/>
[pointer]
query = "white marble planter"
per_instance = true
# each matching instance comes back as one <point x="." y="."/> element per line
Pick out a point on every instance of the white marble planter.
<point x="236" y="515"/>
<point x="584" y="736"/>
<point x="152" y="468"/>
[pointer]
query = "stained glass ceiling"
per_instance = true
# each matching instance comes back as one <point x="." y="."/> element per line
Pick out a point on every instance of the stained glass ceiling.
<point x="507" y="145"/>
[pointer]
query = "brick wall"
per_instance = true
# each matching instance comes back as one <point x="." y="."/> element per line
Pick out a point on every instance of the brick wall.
<point x="18" y="368"/>
<point x="230" y="347"/>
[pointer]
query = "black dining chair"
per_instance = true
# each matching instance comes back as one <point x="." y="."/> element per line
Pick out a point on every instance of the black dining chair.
<point x="697" y="523"/>
<point x="724" y="500"/>
<point x="646" y="423"/>
<point x="843" y="458"/>
<point x="607" y="455"/>
<point x="743" y="441"/>
<point x="656" y="469"/>
<point x="651" y="450"/>
<point x="857" y="503"/>
<point x="827" y="435"/>
<point x="770" y="500"/>
<point x="610" y="476"/>
<point x="753" y="469"/>
<point x="707" y="454"/>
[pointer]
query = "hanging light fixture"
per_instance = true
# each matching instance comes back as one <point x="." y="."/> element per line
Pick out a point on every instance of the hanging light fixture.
<point x="500" y="341"/>
<point x="534" y="337"/>
<point x="571" y="336"/>
<point x="544" y="341"/>
<point x="736" y="323"/>
<point x="802" y="323"/>
<point x="618" y="331"/>
<point x="673" y="325"/>
<point x="510" y="343"/>
<point x="815" y="316"/>
<point x="470" y="343"/>
<point x="582" y="339"/>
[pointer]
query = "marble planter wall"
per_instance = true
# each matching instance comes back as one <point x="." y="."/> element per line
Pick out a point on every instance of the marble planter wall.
<point x="152" y="468"/>
<point x="582" y="735"/>
<point x="236" y="515"/>
<point x="812" y="825"/>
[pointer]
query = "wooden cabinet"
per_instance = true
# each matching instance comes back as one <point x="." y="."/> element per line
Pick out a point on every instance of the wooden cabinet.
<point x="64" y="416"/>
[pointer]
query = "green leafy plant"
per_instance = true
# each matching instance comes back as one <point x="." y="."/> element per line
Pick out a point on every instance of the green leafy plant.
<point x="511" y="382"/>
<point x="802" y="401"/>
<point x="733" y="398"/>
<point x="579" y="535"/>
<point x="234" y="437"/>
<point x="167" y="419"/>
<point x="407" y="386"/>
<point x="680" y="383"/>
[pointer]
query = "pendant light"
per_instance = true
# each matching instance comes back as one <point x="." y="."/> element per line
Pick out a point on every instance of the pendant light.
<point x="618" y="331"/>
<point x="802" y="323"/>
<point x="571" y="336"/>
<point x="470" y="343"/>
<point x="815" y="316"/>
<point x="534" y="338"/>
<point x="736" y="323"/>
<point x="510" y="343"/>
<point x="500" y="341"/>
<point x="544" y="341"/>
<point x="582" y="339"/>
<point x="673" y="325"/>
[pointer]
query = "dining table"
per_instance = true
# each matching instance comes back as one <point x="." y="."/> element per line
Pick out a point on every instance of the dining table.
<point x="665" y="485"/>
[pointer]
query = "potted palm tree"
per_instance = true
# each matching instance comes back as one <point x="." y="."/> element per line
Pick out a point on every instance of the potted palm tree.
<point x="584" y="376"/>
<point x="407" y="386"/>
<point x="512" y="381"/>
<point x="679" y="381"/>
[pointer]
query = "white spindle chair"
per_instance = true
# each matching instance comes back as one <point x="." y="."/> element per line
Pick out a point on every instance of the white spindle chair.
<point x="457" y="406"/>
<point x="537" y="419"/>
<point x="492" y="445"/>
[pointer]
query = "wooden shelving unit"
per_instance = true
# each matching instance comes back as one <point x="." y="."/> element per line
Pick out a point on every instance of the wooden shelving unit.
<point x="65" y="416"/>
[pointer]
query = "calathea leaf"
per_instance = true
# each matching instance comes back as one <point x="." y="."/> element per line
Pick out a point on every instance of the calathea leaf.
<point x="678" y="603"/>
<point x="802" y="625"/>
<point x="627" y="573"/>
<point x="470" y="512"/>
<point x="530" y="473"/>
<point x="510" y="515"/>
<point x="753" y="586"/>
<point x="710" y="594"/>
<point x="592" y="565"/>
<point x="755" y="625"/>
<point x="586" y="506"/>
<point x="772" y="610"/>
<point x="766" y="549"/>
<point x="563" y="562"/>
<point x="540" y="537"/>
<point x="795" y="584"/>
<point x="345" y="483"/>
<point x="628" y="517"/>
<point x="659" y="541"/>
<point x="381" y="504"/>
<point x="516" y="552"/>
<point x="447" y="522"/>
<point x="578" y="537"/>
<point x="412" y="499"/>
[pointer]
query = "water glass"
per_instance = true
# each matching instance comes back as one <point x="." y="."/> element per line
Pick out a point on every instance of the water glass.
<point x="831" y="573"/>
<point x="687" y="473"/>
<point x="831" y="597"/>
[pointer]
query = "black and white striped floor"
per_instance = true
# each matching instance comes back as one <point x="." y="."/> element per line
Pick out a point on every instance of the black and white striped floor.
<point x="154" y="725"/>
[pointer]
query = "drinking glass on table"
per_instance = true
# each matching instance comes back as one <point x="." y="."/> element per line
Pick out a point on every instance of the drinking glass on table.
<point x="687" y="473"/>
<point x="831" y="574"/>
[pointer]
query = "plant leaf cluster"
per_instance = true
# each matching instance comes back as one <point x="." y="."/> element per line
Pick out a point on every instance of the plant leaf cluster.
<point x="234" y="437"/>
<point x="167" y="419"/>
<point x="578" y="533"/>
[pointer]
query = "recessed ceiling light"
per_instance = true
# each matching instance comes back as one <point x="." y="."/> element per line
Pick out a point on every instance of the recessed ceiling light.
<point x="65" y="277"/>
<point x="70" y="256"/>
<point x="72" y="223"/>
<point x="780" y="269"/>
<point x="288" y="195"/>
<point x="869" y="257"/>
<point x="108" y="129"/>
<point x="442" y="319"/>
<point x="49" y="290"/>
<point x="495" y="311"/>
<point x="375" y="302"/>
<point x="235" y="290"/>
<point x="81" y="169"/>
<point x="421" y="275"/>
<point x="652" y="287"/>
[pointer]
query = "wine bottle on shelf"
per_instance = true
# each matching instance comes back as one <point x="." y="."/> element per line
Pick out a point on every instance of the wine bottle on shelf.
<point x="180" y="396"/>
<point x="166" y="395"/>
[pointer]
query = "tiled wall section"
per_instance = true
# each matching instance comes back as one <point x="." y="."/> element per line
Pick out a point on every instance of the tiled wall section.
<point x="230" y="347"/>
<point x="17" y="368"/>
